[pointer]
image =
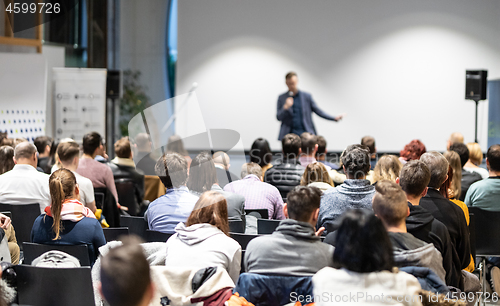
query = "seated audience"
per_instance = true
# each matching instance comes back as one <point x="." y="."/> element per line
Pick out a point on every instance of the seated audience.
<point x="10" y="233"/>
<point x="260" y="153"/>
<point x="176" y="145"/>
<point x="387" y="168"/>
<point x="369" y="142"/>
<point x="455" y="137"/>
<point x="390" y="206"/>
<point x="412" y="151"/>
<point x="363" y="261"/>
<point x="57" y="162"/>
<point x="202" y="177"/>
<point x="125" y="276"/>
<point x="24" y="184"/>
<point x="468" y="177"/>
<point x="143" y="160"/>
<point x="321" y="153"/>
<point x="286" y="174"/>
<point x="100" y="174"/>
<point x="177" y="203"/>
<point x="257" y="194"/>
<point x="475" y="159"/>
<point x="66" y="221"/>
<point x="43" y="145"/>
<point x="293" y="248"/>
<point x="355" y="192"/>
<point x="222" y="164"/>
<point x="316" y="175"/>
<point x="69" y="157"/>
<point x="6" y="159"/>
<point x="308" y="147"/>
<point x="203" y="240"/>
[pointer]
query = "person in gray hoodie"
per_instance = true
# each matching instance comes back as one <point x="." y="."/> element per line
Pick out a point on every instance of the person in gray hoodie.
<point x="390" y="206"/>
<point x="294" y="248"/>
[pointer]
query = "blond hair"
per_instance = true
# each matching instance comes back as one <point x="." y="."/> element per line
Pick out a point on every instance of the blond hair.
<point x="388" y="168"/>
<point x="475" y="153"/>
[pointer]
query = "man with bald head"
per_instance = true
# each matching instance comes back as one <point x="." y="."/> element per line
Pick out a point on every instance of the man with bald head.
<point x="24" y="184"/>
<point x="222" y="164"/>
<point x="454" y="138"/>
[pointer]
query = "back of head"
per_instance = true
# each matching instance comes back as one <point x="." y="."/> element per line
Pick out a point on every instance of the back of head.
<point x="456" y="137"/>
<point x="308" y="143"/>
<point x="493" y="156"/>
<point x="438" y="166"/>
<point x="176" y="145"/>
<point x="389" y="203"/>
<point x="363" y="244"/>
<point x="202" y="174"/>
<point x="251" y="168"/>
<point x="123" y="148"/>
<point x="260" y="152"/>
<point x="41" y="142"/>
<point x="125" y="274"/>
<point x="6" y="159"/>
<point x="142" y="141"/>
<point x="24" y="150"/>
<point x="302" y="201"/>
<point x="62" y="186"/>
<point x="475" y="153"/>
<point x="414" y="177"/>
<point x="387" y="168"/>
<point x="321" y="145"/>
<point x="291" y="144"/>
<point x="462" y="151"/>
<point x="413" y="150"/>
<point x="172" y="169"/>
<point x="67" y="151"/>
<point x="356" y="160"/>
<point x="210" y="208"/>
<point x="456" y="170"/>
<point x="315" y="172"/>
<point x="369" y="142"/>
<point x="91" y="141"/>
<point x="221" y="158"/>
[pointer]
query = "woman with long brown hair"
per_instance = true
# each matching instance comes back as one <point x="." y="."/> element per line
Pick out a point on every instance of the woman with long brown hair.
<point x="203" y="240"/>
<point x="66" y="221"/>
<point x="316" y="175"/>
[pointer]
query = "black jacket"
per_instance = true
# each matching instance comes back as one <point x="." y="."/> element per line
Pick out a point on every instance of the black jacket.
<point x="146" y="164"/>
<point x="468" y="178"/>
<point x="225" y="177"/>
<point x="131" y="174"/>
<point x="285" y="175"/>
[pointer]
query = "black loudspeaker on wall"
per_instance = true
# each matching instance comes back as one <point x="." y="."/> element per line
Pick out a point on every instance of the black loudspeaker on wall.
<point x="475" y="84"/>
<point x="113" y="84"/>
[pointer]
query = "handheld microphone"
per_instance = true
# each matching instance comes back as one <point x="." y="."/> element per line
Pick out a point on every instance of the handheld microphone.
<point x="290" y="93"/>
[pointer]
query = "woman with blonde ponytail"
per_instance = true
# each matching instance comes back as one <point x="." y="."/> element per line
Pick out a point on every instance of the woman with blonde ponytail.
<point x="67" y="221"/>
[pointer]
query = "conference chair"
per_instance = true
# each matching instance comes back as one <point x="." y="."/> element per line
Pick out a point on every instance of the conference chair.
<point x="23" y="216"/>
<point x="39" y="286"/>
<point x="243" y="239"/>
<point x="242" y="268"/>
<point x="258" y="213"/>
<point x="154" y="236"/>
<point x="107" y="202"/>
<point x="266" y="226"/>
<point x="236" y="226"/>
<point x="34" y="250"/>
<point x="113" y="233"/>
<point x="136" y="225"/>
<point x="128" y="195"/>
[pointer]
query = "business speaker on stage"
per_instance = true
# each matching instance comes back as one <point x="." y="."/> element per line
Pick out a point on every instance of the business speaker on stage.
<point x="295" y="109"/>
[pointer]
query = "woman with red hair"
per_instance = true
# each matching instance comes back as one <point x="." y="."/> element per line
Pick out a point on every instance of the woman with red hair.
<point x="412" y="151"/>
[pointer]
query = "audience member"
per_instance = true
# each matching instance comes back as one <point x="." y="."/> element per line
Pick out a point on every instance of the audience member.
<point x="260" y="153"/>
<point x="369" y="142"/>
<point x="455" y="137"/>
<point x="177" y="203"/>
<point x="24" y="184"/>
<point x="144" y="161"/>
<point x="203" y="240"/>
<point x="222" y="164"/>
<point x="321" y="153"/>
<point x="468" y="177"/>
<point x="10" y="233"/>
<point x="355" y="192"/>
<point x="125" y="276"/>
<point x="176" y="145"/>
<point x="6" y="159"/>
<point x="309" y="148"/>
<point x="387" y="168"/>
<point x="257" y="194"/>
<point x="202" y="177"/>
<point x="475" y="159"/>
<point x="412" y="151"/>
<point x="57" y="162"/>
<point x="43" y="145"/>
<point x="69" y="157"/>
<point x="391" y="206"/>
<point x="66" y="221"/>
<point x="363" y="261"/>
<point x="293" y="248"/>
<point x="316" y="175"/>
<point x="286" y="174"/>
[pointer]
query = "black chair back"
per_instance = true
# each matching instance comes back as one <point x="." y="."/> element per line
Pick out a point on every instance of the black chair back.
<point x="7" y="213"/>
<point x="127" y="195"/>
<point x="243" y="239"/>
<point x="99" y="199"/>
<point x="236" y="226"/>
<point x="113" y="233"/>
<point x="486" y="227"/>
<point x="54" y="287"/>
<point x="266" y="226"/>
<point x="33" y="250"/>
<point x="472" y="234"/>
<point x="154" y="236"/>
<point x="258" y="213"/>
<point x="23" y="216"/>
<point x="242" y="269"/>
<point x="136" y="225"/>
<point x="109" y="208"/>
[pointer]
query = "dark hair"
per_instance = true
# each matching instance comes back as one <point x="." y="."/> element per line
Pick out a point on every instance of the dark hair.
<point x="363" y="244"/>
<point x="123" y="148"/>
<point x="369" y="142"/>
<point x="356" y="160"/>
<point x="493" y="156"/>
<point x="413" y="150"/>
<point x="389" y="203"/>
<point x="67" y="151"/>
<point x="176" y="145"/>
<point x="202" y="174"/>
<point x="172" y="169"/>
<point x="91" y="141"/>
<point x="321" y="145"/>
<point x="462" y="151"/>
<point x="62" y="186"/>
<point x="6" y="159"/>
<point x="290" y="74"/>
<point x="414" y="177"/>
<point x="260" y="152"/>
<point x="210" y="208"/>
<point x="41" y="142"/>
<point x="438" y="166"/>
<point x="307" y="142"/>
<point x="291" y="144"/>
<point x="125" y="274"/>
<point x="302" y="201"/>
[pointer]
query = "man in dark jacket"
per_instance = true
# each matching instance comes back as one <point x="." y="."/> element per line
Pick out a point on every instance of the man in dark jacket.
<point x="287" y="174"/>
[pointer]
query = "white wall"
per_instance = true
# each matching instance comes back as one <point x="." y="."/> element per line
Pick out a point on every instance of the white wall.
<point x="55" y="57"/>
<point x="397" y="68"/>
